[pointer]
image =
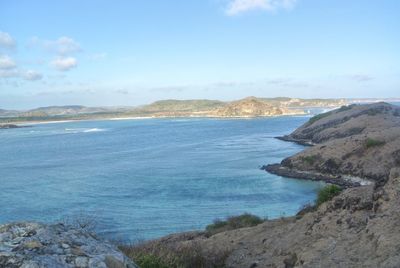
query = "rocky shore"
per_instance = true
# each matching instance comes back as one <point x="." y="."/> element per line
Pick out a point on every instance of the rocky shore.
<point x="8" y="126"/>
<point x="34" y="245"/>
<point x="340" y="180"/>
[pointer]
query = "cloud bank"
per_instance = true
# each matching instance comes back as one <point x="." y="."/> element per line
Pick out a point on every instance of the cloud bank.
<point x="236" y="7"/>
<point x="61" y="46"/>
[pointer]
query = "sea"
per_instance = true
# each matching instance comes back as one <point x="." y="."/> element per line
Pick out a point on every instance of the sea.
<point x="140" y="179"/>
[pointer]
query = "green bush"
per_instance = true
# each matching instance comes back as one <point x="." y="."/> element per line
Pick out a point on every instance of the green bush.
<point x="327" y="193"/>
<point x="309" y="159"/>
<point x="318" y="117"/>
<point x="231" y="223"/>
<point x="323" y="115"/>
<point x="150" y="261"/>
<point x="372" y="143"/>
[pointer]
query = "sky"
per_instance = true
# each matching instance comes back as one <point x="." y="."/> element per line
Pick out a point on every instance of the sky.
<point x="128" y="53"/>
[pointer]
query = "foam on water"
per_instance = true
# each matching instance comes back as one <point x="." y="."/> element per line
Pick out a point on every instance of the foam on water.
<point x="84" y="130"/>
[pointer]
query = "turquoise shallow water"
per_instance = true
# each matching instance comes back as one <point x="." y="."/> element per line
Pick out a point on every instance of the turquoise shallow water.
<point x="143" y="179"/>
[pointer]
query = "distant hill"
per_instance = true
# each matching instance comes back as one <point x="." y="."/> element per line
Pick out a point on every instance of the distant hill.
<point x="247" y="107"/>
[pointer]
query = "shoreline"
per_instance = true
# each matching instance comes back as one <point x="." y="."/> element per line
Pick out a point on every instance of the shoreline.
<point x="26" y="123"/>
<point x="342" y="180"/>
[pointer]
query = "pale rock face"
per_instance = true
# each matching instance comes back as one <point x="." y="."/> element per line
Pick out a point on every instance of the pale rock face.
<point x="34" y="245"/>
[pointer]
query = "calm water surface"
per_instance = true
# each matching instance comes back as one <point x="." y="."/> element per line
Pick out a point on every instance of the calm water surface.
<point x="146" y="178"/>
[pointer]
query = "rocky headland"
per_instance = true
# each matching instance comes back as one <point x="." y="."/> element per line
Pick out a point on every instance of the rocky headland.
<point x="351" y="145"/>
<point x="356" y="147"/>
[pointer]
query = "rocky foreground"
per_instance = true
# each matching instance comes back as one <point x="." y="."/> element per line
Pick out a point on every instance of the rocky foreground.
<point x="33" y="245"/>
<point x="357" y="146"/>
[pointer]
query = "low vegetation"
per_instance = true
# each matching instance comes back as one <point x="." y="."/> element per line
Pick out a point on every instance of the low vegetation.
<point x="323" y="115"/>
<point x="180" y="255"/>
<point x="318" y="117"/>
<point x="231" y="223"/>
<point x="373" y="143"/>
<point x="327" y="193"/>
<point x="309" y="159"/>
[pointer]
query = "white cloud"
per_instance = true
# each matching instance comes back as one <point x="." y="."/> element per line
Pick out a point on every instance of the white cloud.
<point x="6" y="63"/>
<point x="32" y="75"/>
<point x="29" y="75"/>
<point x="6" y="40"/>
<point x="62" y="46"/>
<point x="64" y="63"/>
<point x="236" y="7"/>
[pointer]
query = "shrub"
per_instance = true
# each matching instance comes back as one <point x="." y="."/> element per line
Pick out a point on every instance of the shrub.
<point x="374" y="111"/>
<point x="372" y="143"/>
<point x="231" y="223"/>
<point x="150" y="261"/>
<point x="327" y="193"/>
<point x="309" y="159"/>
<point x="346" y="108"/>
<point x="179" y="254"/>
<point x="318" y="117"/>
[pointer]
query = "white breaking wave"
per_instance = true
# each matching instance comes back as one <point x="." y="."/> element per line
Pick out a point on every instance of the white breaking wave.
<point x="94" y="130"/>
<point x="84" y="130"/>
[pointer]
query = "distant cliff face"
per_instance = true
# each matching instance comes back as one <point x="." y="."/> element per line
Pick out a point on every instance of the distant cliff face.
<point x="253" y="107"/>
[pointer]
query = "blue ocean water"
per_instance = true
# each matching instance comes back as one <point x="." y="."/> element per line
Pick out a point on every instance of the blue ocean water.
<point x="146" y="178"/>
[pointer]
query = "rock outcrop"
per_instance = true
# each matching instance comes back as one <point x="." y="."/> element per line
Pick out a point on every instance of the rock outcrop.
<point x="8" y="126"/>
<point x="34" y="245"/>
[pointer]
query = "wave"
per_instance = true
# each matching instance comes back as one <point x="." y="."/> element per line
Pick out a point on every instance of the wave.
<point x="94" y="130"/>
<point x="84" y="130"/>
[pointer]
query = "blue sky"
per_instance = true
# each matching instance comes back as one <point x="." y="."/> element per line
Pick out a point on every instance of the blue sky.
<point x="134" y="52"/>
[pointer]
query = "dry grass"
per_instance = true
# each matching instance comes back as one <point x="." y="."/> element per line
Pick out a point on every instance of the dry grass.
<point x="174" y="255"/>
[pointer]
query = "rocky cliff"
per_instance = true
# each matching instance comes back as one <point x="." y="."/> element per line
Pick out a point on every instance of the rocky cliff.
<point x="253" y="107"/>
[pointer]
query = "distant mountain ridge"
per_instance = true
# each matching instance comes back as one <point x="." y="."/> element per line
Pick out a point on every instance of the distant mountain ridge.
<point x="247" y="107"/>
